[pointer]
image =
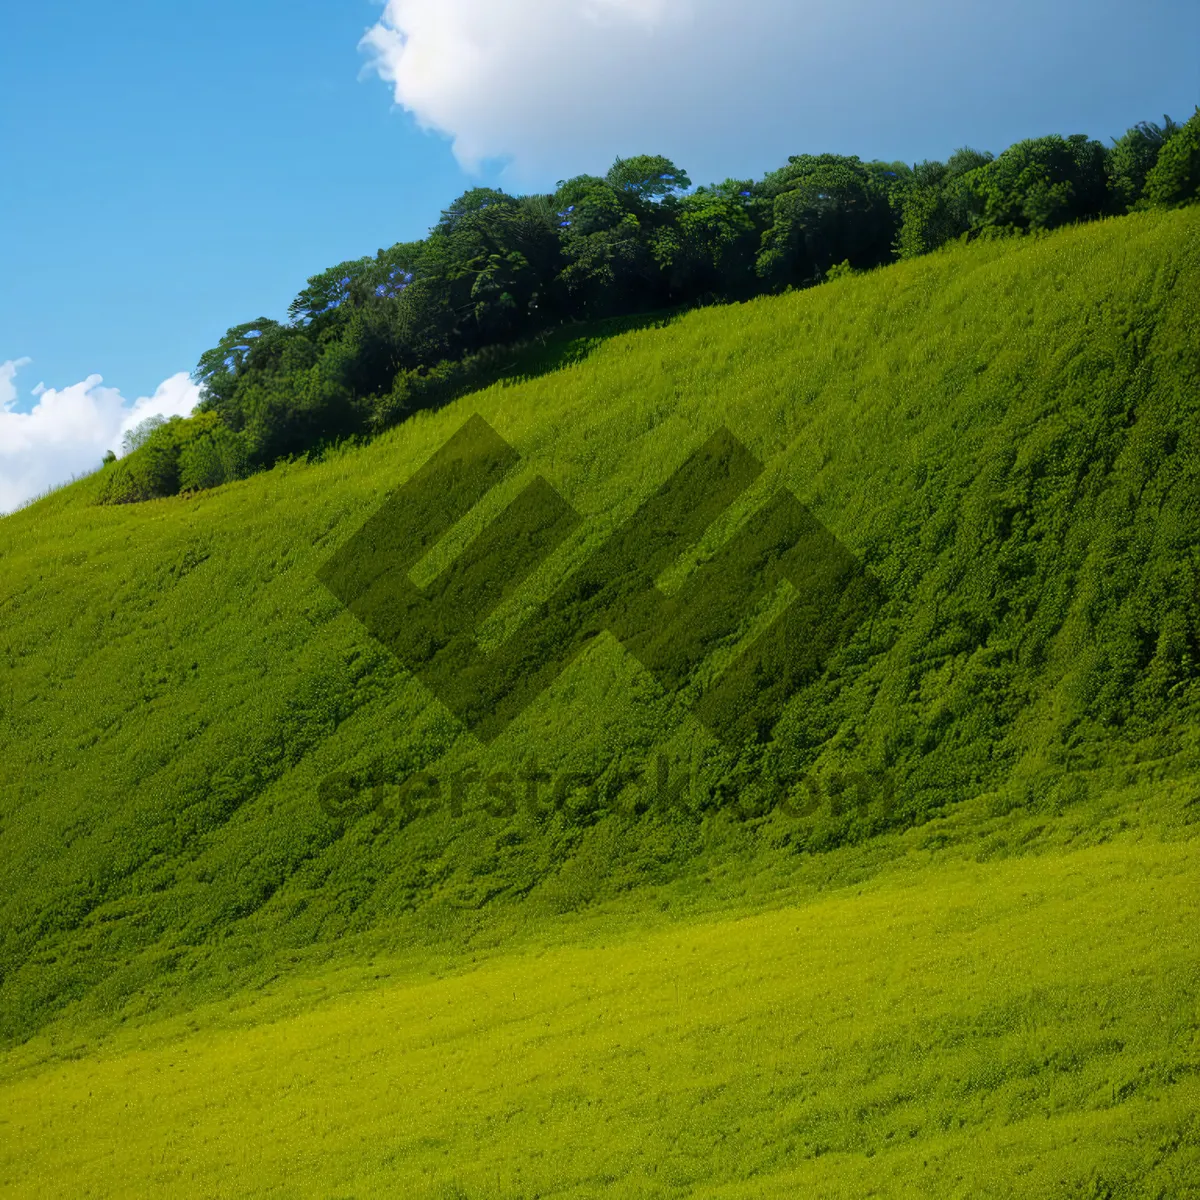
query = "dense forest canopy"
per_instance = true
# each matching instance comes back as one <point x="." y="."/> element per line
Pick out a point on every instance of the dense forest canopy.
<point x="369" y="341"/>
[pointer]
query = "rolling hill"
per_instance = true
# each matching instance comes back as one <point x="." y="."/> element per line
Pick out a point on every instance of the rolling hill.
<point x="928" y="929"/>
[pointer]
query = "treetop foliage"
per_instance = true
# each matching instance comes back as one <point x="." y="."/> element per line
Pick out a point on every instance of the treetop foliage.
<point x="646" y="176"/>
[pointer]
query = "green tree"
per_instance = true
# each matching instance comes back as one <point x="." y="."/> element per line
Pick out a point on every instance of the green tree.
<point x="966" y="159"/>
<point x="221" y="369"/>
<point x="492" y="265"/>
<point x="646" y="176"/>
<point x="892" y="178"/>
<point x="1040" y="183"/>
<point x="707" y="249"/>
<point x="934" y="204"/>
<point x="1175" y="177"/>
<point x="214" y="456"/>
<point x="471" y="204"/>
<point x="327" y="297"/>
<point x="826" y="209"/>
<point x="1131" y="159"/>
<point x="267" y="381"/>
<point x="608" y="266"/>
<point x="137" y="437"/>
<point x="151" y="468"/>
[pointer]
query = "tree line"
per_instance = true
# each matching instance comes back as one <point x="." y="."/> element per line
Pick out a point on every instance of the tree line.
<point x="371" y="340"/>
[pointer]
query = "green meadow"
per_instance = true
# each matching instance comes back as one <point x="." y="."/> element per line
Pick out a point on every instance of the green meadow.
<point x="1022" y="1027"/>
<point x="975" y="976"/>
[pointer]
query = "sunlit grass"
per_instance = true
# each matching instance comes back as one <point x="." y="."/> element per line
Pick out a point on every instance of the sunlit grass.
<point x="1023" y="1028"/>
<point x="1007" y="435"/>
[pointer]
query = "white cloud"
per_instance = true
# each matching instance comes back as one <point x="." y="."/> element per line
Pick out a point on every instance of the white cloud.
<point x="564" y="86"/>
<point x="561" y="87"/>
<point x="69" y="429"/>
<point x="8" y="389"/>
<point x="524" y="77"/>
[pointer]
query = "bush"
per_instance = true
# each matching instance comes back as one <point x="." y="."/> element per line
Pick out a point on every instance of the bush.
<point x="431" y="387"/>
<point x="174" y="454"/>
<point x="212" y="458"/>
<point x="147" y="473"/>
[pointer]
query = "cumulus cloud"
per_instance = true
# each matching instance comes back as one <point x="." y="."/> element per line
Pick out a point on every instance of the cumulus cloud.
<point x="564" y="85"/>
<point x="68" y="430"/>
<point x="508" y="78"/>
<point x="560" y="87"/>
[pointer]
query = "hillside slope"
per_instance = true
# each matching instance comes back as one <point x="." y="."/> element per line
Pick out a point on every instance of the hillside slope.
<point x="1006" y="435"/>
<point x="1019" y="1028"/>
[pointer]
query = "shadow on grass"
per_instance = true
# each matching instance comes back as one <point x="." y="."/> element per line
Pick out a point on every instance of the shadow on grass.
<point x="572" y="343"/>
<point x="552" y="350"/>
<point x="427" y="389"/>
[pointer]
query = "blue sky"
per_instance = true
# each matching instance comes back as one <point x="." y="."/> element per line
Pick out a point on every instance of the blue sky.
<point x="172" y="170"/>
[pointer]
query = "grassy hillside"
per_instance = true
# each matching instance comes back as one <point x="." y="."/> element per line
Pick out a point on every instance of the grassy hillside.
<point x="1005" y="434"/>
<point x="1024" y="1028"/>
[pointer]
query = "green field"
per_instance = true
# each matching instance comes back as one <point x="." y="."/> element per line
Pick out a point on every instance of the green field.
<point x="1026" y="1027"/>
<point x="981" y="980"/>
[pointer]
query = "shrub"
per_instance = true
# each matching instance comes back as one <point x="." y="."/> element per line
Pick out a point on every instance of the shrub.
<point x="169" y="455"/>
<point x="212" y="458"/>
<point x="147" y="473"/>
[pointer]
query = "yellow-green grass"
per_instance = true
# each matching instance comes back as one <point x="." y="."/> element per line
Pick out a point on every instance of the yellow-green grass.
<point x="1008" y="434"/>
<point x="1028" y="1027"/>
